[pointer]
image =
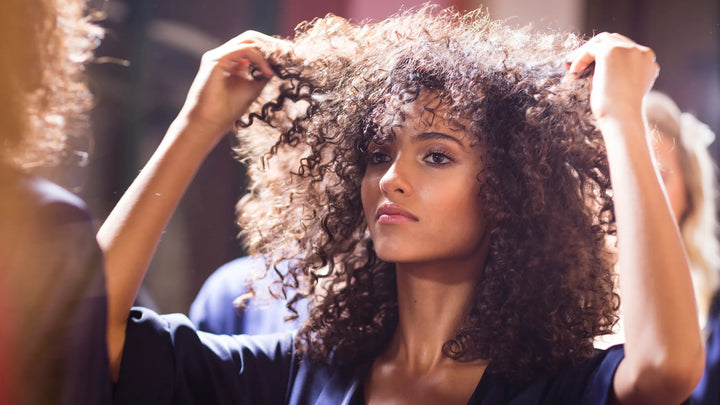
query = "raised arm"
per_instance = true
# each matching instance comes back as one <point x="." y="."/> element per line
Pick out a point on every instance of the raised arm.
<point x="221" y="92"/>
<point x="664" y="353"/>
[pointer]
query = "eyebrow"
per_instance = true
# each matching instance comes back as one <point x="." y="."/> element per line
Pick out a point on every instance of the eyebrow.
<point x="424" y="136"/>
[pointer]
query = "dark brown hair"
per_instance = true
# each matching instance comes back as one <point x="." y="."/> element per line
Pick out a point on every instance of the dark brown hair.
<point x="546" y="289"/>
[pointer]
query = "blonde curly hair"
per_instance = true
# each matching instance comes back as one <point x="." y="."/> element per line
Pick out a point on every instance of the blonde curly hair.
<point x="45" y="98"/>
<point x="698" y="224"/>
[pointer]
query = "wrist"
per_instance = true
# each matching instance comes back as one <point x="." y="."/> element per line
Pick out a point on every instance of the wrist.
<point x="626" y="139"/>
<point x="200" y="135"/>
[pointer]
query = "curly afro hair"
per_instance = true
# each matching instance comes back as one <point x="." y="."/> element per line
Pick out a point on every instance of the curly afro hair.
<point x="45" y="98"/>
<point x="547" y="287"/>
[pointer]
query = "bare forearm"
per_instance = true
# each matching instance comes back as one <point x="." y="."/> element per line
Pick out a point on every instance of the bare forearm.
<point x="131" y="233"/>
<point x="663" y="340"/>
<point x="222" y="91"/>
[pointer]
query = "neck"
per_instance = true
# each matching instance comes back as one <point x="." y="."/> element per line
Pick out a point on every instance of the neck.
<point x="433" y="299"/>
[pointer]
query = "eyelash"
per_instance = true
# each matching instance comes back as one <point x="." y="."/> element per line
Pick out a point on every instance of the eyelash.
<point x="374" y="154"/>
<point x="378" y="157"/>
<point x="447" y="159"/>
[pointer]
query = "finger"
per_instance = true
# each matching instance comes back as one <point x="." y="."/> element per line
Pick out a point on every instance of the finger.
<point x="258" y="60"/>
<point x="581" y="60"/>
<point x="261" y="40"/>
<point x="616" y="37"/>
<point x="235" y="59"/>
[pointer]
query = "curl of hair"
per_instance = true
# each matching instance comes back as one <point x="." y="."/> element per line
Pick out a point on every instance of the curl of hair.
<point x="547" y="287"/>
<point x="45" y="98"/>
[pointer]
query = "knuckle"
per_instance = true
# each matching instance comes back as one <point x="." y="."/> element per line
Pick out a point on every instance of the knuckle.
<point x="208" y="55"/>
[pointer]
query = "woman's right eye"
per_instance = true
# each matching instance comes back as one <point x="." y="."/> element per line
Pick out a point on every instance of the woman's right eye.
<point x="377" y="157"/>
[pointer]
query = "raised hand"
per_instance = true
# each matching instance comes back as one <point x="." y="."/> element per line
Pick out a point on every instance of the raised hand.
<point x="623" y="72"/>
<point x="229" y="79"/>
<point x="664" y="353"/>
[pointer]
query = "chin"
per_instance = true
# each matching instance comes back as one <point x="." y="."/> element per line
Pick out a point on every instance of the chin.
<point x="399" y="256"/>
<point x="390" y="255"/>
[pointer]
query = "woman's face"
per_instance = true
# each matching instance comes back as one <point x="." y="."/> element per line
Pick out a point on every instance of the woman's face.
<point x="420" y="194"/>
<point x="668" y="159"/>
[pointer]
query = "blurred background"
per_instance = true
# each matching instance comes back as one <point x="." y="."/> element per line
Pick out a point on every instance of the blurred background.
<point x="163" y="41"/>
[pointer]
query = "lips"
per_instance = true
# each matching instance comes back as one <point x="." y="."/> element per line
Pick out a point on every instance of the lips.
<point x="391" y="214"/>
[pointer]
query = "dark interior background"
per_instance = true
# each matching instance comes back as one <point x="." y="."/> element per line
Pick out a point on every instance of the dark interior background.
<point x="163" y="40"/>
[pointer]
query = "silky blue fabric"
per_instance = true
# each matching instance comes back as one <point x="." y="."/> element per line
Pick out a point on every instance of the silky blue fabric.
<point x="708" y="390"/>
<point x="167" y="361"/>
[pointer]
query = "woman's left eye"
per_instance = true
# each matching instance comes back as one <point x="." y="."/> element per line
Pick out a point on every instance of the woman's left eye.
<point x="437" y="158"/>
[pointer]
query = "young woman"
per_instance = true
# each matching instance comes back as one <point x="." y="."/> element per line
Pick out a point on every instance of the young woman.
<point x="447" y="217"/>
<point x="52" y="285"/>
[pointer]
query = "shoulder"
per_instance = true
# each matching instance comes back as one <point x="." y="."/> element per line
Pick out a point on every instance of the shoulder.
<point x="37" y="215"/>
<point x="231" y="277"/>
<point x="47" y="241"/>
<point x="588" y="383"/>
<point x="54" y="285"/>
<point x="212" y="309"/>
<point x="27" y="196"/>
<point x="177" y="331"/>
<point x="54" y="199"/>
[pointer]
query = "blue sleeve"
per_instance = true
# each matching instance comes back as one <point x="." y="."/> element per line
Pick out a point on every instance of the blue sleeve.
<point x="588" y="383"/>
<point x="166" y="361"/>
<point x="708" y="390"/>
<point x="600" y="383"/>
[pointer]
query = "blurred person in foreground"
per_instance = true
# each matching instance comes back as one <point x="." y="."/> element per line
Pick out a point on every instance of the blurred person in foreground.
<point x="52" y="282"/>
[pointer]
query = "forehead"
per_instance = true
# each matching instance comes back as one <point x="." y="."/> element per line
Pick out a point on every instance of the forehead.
<point x="427" y="111"/>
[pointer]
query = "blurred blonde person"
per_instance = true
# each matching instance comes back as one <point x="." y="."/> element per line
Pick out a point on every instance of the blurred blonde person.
<point x="681" y="154"/>
<point x="688" y="173"/>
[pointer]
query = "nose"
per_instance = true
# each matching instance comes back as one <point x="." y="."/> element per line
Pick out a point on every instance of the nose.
<point x="396" y="180"/>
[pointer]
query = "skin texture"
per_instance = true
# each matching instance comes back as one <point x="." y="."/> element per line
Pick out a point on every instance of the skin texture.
<point x="668" y="159"/>
<point x="664" y="352"/>
<point x="430" y="172"/>
<point x="642" y="209"/>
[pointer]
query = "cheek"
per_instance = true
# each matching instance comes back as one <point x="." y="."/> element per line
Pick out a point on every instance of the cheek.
<point x="368" y="195"/>
<point x="676" y="194"/>
<point x="460" y="205"/>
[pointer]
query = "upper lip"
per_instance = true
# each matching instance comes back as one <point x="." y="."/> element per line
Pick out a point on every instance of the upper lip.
<point x="394" y="209"/>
